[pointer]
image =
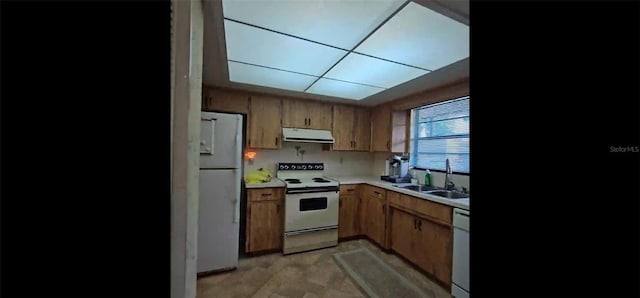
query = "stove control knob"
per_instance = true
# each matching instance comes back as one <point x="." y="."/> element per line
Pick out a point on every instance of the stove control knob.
<point x="304" y="167"/>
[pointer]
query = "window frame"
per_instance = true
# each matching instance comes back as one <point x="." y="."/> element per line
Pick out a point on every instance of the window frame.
<point x="414" y="136"/>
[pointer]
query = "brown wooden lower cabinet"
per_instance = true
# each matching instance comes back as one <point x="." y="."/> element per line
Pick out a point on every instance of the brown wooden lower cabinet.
<point x="417" y="229"/>
<point x="375" y="217"/>
<point x="403" y="234"/>
<point x="424" y="242"/>
<point x="349" y="215"/>
<point x="265" y="219"/>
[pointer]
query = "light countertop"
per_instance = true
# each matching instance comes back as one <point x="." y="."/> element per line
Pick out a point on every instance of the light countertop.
<point x="375" y="181"/>
<point x="275" y="182"/>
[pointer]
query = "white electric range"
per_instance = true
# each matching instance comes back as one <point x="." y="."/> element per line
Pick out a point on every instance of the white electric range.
<point x="311" y="207"/>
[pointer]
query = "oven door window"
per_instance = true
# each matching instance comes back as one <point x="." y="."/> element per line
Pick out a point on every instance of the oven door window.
<point x="313" y="204"/>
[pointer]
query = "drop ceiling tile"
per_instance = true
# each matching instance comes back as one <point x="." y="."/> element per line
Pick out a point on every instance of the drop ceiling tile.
<point x="261" y="47"/>
<point x="371" y="71"/>
<point x="338" y="23"/>
<point x="421" y="37"/>
<point x="343" y="89"/>
<point x="255" y="75"/>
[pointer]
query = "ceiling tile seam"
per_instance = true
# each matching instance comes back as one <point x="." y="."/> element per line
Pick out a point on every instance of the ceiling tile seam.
<point x="274" y="68"/>
<point x="361" y="41"/>
<point x="300" y="73"/>
<point x="396" y="62"/>
<point x="324" y="44"/>
<point x="285" y="34"/>
<point x="362" y="84"/>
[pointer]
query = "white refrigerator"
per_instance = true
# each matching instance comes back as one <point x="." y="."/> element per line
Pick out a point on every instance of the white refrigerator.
<point x="220" y="186"/>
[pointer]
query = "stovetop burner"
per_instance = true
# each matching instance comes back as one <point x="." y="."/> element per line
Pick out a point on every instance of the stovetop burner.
<point x="293" y="181"/>
<point x="320" y="180"/>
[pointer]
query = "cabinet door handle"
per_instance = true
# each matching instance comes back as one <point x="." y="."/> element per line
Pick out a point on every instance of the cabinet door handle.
<point x="276" y="141"/>
<point x="384" y="208"/>
<point x="415" y="223"/>
<point x="354" y="144"/>
<point x="419" y="225"/>
<point x="266" y="194"/>
<point x="387" y="144"/>
<point x="309" y="121"/>
<point x="375" y="192"/>
<point x="351" y="189"/>
<point x="278" y="208"/>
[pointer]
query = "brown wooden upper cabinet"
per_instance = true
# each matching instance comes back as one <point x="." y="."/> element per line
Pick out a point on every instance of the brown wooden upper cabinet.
<point x="306" y="114"/>
<point x="351" y="128"/>
<point x="400" y="123"/>
<point x="381" y="128"/>
<point x="362" y="129"/>
<point x="264" y="122"/>
<point x="219" y="100"/>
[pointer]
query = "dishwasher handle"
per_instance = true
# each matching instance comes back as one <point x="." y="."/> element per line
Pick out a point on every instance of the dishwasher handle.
<point x="461" y="219"/>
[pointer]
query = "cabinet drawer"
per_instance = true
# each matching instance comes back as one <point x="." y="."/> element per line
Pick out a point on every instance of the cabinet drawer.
<point x="348" y="190"/>
<point x="421" y="206"/>
<point x="435" y="210"/>
<point x="374" y="192"/>
<point x="264" y="194"/>
<point x="400" y="200"/>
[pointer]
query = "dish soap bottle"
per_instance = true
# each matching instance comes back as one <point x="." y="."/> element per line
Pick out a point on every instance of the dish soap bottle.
<point x="427" y="178"/>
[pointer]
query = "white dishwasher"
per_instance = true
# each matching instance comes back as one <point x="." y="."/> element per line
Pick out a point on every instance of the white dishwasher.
<point x="460" y="271"/>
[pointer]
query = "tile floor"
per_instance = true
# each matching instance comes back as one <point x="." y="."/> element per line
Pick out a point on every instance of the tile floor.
<point x="308" y="274"/>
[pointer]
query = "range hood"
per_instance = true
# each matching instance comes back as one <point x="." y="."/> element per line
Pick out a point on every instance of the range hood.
<point x="302" y="135"/>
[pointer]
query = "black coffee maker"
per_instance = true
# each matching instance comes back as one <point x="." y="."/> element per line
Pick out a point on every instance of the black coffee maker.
<point x="399" y="172"/>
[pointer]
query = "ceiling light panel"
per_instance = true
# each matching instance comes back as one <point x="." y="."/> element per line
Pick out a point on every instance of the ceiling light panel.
<point x="420" y="37"/>
<point x="338" y="23"/>
<point x="255" y="75"/>
<point x="265" y="48"/>
<point x="342" y="89"/>
<point x="371" y="71"/>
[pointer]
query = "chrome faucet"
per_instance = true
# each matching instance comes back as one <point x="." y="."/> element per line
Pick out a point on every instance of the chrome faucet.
<point x="448" y="184"/>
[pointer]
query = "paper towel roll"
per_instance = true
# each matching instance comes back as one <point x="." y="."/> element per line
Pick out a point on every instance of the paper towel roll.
<point x="386" y="167"/>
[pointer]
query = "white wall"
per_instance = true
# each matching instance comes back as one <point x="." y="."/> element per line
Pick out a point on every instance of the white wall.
<point x="185" y="139"/>
<point x="336" y="163"/>
<point x="379" y="162"/>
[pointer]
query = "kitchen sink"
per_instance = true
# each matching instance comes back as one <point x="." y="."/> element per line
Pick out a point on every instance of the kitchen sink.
<point x="436" y="191"/>
<point x="419" y="188"/>
<point x="448" y="194"/>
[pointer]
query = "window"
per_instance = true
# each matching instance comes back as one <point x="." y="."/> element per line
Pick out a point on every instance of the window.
<point x="440" y="131"/>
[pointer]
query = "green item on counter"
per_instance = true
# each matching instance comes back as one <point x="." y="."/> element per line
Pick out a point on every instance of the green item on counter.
<point x="427" y="177"/>
<point x="258" y="176"/>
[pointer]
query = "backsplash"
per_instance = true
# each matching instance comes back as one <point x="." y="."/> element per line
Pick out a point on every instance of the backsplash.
<point x="339" y="163"/>
<point x="336" y="163"/>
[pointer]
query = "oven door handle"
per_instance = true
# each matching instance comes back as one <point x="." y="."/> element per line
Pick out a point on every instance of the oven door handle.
<point x="306" y="190"/>
<point x="309" y="231"/>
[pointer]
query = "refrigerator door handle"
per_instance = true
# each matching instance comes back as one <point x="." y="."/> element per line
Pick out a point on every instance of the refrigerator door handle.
<point x="238" y="171"/>
<point x="236" y="212"/>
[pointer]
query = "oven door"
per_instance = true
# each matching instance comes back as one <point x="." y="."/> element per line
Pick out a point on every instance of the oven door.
<point x="310" y="210"/>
